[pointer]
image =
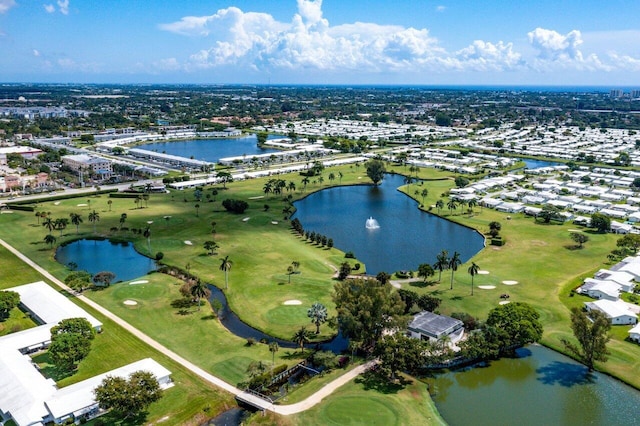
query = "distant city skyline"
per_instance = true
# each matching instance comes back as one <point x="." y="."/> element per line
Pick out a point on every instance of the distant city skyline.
<point x="412" y="42"/>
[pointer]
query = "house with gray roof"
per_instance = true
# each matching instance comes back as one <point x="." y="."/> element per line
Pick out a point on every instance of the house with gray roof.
<point x="429" y="326"/>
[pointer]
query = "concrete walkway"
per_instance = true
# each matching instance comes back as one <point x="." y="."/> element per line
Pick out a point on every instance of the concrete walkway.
<point x="265" y="405"/>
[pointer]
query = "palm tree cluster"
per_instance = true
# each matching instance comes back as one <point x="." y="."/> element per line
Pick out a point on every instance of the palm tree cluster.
<point x="319" y="239"/>
<point x="275" y="186"/>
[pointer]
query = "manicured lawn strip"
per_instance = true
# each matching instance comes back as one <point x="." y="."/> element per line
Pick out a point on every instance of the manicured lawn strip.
<point x="17" y="321"/>
<point x="197" y="335"/>
<point x="365" y="401"/>
<point x="115" y="347"/>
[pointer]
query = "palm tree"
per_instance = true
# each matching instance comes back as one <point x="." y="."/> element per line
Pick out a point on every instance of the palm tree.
<point x="301" y="337"/>
<point x="76" y="219"/>
<point x="123" y="218"/>
<point x="109" y="204"/>
<point x="332" y="177"/>
<point x="442" y="263"/>
<point x="318" y="314"/>
<point x="198" y="291"/>
<point x="38" y="216"/>
<point x="340" y="177"/>
<point x="472" y="203"/>
<point x="452" y="205"/>
<point x="305" y="181"/>
<point x="48" y="223"/>
<point x="93" y="218"/>
<point x="147" y="235"/>
<point x="424" y="193"/>
<point x="273" y="348"/>
<point x="225" y="265"/>
<point x="473" y="271"/>
<point x="439" y="205"/>
<point x="60" y="224"/>
<point x="50" y="239"/>
<point x="197" y="206"/>
<point x="145" y="197"/>
<point x="454" y="262"/>
<point x="292" y="186"/>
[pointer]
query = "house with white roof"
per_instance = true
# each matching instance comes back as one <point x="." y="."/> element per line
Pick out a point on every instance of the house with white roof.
<point x="429" y="326"/>
<point x="618" y="312"/>
<point x="634" y="333"/>
<point x="29" y="398"/>
<point x="601" y="289"/>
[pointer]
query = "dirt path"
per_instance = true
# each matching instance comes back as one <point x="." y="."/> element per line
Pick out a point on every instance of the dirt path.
<point x="265" y="405"/>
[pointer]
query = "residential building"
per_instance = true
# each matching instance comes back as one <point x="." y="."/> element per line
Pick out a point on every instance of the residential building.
<point x="98" y="167"/>
<point x="618" y="312"/>
<point x="429" y="326"/>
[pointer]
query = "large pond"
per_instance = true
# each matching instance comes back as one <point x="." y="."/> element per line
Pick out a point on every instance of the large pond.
<point x="540" y="387"/>
<point x="103" y="255"/>
<point x="406" y="236"/>
<point x="212" y="149"/>
<point x="537" y="164"/>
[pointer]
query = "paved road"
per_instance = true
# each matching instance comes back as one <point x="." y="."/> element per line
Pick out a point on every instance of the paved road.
<point x="265" y="405"/>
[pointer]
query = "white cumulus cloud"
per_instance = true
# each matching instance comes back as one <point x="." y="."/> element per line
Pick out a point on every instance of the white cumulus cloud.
<point x="557" y="50"/>
<point x="49" y="8"/>
<point x="5" y="5"/>
<point x="64" y="6"/>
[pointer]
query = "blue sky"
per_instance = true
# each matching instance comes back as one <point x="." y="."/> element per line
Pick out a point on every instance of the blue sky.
<point x="517" y="42"/>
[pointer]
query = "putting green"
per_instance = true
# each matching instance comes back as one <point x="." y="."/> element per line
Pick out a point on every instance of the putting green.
<point x="371" y="411"/>
<point x="287" y="314"/>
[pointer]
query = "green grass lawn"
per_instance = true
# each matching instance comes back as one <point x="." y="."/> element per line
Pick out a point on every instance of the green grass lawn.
<point x="367" y="401"/>
<point x="16" y="321"/>
<point x="190" y="401"/>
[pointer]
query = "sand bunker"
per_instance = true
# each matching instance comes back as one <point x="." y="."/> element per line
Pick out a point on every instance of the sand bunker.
<point x="574" y="230"/>
<point x="189" y="243"/>
<point x="292" y="302"/>
<point x="82" y="205"/>
<point x="130" y="302"/>
<point x="504" y="302"/>
<point x="487" y="287"/>
<point x="138" y="282"/>
<point x="246" y="219"/>
<point x="57" y="203"/>
<point x="256" y="198"/>
<point x="274" y="222"/>
<point x="509" y="282"/>
<point x="6" y="212"/>
<point x="483" y="272"/>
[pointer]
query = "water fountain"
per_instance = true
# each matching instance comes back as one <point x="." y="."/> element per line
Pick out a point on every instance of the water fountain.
<point x="372" y="223"/>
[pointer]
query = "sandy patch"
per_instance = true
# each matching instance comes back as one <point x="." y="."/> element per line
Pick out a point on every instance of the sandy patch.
<point x="189" y="243"/>
<point x="487" y="287"/>
<point x="82" y="205"/>
<point x="504" y="302"/>
<point x="359" y="177"/>
<point x="130" y="302"/>
<point x="246" y="219"/>
<point x="138" y="282"/>
<point x="574" y="230"/>
<point x="538" y="243"/>
<point x="57" y="203"/>
<point x="256" y="198"/>
<point x="292" y="302"/>
<point x="509" y="282"/>
<point x="274" y="222"/>
<point x="6" y="212"/>
<point x="483" y="272"/>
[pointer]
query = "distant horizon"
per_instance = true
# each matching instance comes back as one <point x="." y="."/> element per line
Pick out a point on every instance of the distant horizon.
<point x="546" y="43"/>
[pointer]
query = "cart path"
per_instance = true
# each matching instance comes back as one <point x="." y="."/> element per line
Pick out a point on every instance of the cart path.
<point x="263" y="404"/>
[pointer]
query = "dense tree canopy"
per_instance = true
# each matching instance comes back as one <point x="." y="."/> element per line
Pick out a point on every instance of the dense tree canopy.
<point x="8" y="301"/>
<point x="70" y="342"/>
<point x="366" y="308"/>
<point x="130" y="397"/>
<point x="601" y="222"/>
<point x="375" y="171"/>
<point x="517" y="324"/>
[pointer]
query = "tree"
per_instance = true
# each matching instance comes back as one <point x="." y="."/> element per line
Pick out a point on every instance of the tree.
<point x="494" y="228"/>
<point x="199" y="290"/>
<point x="301" y="337"/>
<point x="398" y="352"/>
<point x="61" y="224"/>
<point x="454" y="262"/>
<point x="235" y="206"/>
<point x="93" y="218"/>
<point x="423" y="194"/>
<point x="197" y="206"/>
<point x="375" y="171"/>
<point x="426" y="302"/>
<point x="366" y="308"/>
<point x="109" y="202"/>
<point x="549" y="213"/>
<point x="516" y="324"/>
<point x="442" y="263"/>
<point x="579" y="238"/>
<point x="345" y="270"/>
<point x="147" y="235"/>
<point x="48" y="223"/>
<point x="210" y="246"/>
<point x="383" y="277"/>
<point x="601" y="222"/>
<point x="104" y="278"/>
<point x="123" y="218"/>
<point x="76" y="219"/>
<point x="409" y="298"/>
<point x="461" y="181"/>
<point x="225" y="177"/>
<point x="592" y="333"/>
<point x="70" y="342"/>
<point x="8" y="301"/>
<point x="425" y="271"/>
<point x="452" y="205"/>
<point x="318" y="314"/>
<point x="629" y="241"/>
<point x="473" y="271"/>
<point x="78" y="280"/>
<point x="225" y="265"/>
<point x="50" y="239"/>
<point x="128" y="398"/>
<point x="273" y="348"/>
